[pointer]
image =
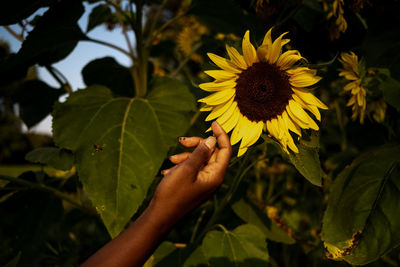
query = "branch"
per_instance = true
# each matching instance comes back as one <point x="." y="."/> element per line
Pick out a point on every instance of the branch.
<point x="65" y="84"/>
<point x="110" y="45"/>
<point x="45" y="188"/>
<point x="153" y="36"/>
<point x="156" y="17"/>
<point x="19" y="37"/>
<point x="183" y="62"/>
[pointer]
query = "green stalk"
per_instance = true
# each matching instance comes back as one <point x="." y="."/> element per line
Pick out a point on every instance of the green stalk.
<point x="221" y="207"/>
<point x="142" y="54"/>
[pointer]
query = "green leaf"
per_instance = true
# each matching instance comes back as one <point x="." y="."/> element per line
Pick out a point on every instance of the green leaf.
<point x="244" y="246"/>
<point x="36" y="100"/>
<point x="120" y="143"/>
<point x="361" y="222"/>
<point x="12" y="12"/>
<point x="391" y="91"/>
<point x="307" y="160"/>
<point x="196" y="259"/>
<point x="58" y="158"/>
<point x="99" y="15"/>
<point x="250" y="215"/>
<point x="108" y="72"/>
<point x="55" y="36"/>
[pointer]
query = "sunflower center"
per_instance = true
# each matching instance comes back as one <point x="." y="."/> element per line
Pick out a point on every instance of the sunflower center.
<point x="262" y="91"/>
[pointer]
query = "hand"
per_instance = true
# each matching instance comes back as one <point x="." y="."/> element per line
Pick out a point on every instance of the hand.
<point x="182" y="189"/>
<point x="196" y="176"/>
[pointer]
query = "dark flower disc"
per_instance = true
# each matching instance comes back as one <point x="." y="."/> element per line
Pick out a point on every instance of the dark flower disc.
<point x="262" y="92"/>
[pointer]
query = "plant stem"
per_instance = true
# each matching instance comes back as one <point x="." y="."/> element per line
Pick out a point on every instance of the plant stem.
<point x="196" y="227"/>
<point x="140" y="70"/>
<point x="162" y="28"/>
<point x="121" y="11"/>
<point x="110" y="45"/>
<point x="19" y="37"/>
<point x="65" y="85"/>
<point x="183" y="62"/>
<point x="44" y="188"/>
<point x="236" y="181"/>
<point x="153" y="23"/>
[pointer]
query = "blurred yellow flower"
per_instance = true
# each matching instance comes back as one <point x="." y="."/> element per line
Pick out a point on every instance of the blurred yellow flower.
<point x="189" y="35"/>
<point x="336" y="13"/>
<point x="262" y="90"/>
<point x="351" y="73"/>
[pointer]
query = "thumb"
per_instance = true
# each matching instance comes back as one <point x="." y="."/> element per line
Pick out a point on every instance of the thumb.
<point x="202" y="153"/>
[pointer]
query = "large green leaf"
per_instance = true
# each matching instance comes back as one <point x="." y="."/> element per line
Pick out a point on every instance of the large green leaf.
<point x="108" y="72"/>
<point x="36" y="100"/>
<point x="307" y="160"/>
<point x="58" y="158"/>
<point x="120" y="142"/>
<point x="15" y="11"/>
<point x="250" y="215"/>
<point x="244" y="246"/>
<point x="362" y="222"/>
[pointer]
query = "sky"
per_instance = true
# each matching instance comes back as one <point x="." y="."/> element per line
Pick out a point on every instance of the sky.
<point x="72" y="65"/>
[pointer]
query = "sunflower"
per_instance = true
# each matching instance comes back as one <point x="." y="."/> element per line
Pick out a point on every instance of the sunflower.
<point x="351" y="73"/>
<point x="261" y="90"/>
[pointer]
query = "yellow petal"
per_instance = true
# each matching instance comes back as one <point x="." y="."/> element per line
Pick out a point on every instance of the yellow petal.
<point x="219" y="110"/>
<point x="291" y="145"/>
<point x="218" y="97"/>
<point x="221" y="75"/>
<point x="206" y="108"/>
<point x="237" y="132"/>
<point x="254" y="130"/>
<point x="241" y="151"/>
<point x="267" y="38"/>
<point x="228" y="113"/>
<point x="302" y="119"/>
<point x="263" y="53"/>
<point x="236" y="58"/>
<point x="313" y="109"/>
<point x="290" y="124"/>
<point x="272" y="126"/>
<point x="275" y="49"/>
<point x="249" y="52"/>
<point x="309" y="98"/>
<point x="223" y="63"/>
<point x="287" y="59"/>
<point x="349" y="75"/>
<point x="302" y="77"/>
<point x="229" y="124"/>
<point x="218" y="86"/>
<point x="297" y="111"/>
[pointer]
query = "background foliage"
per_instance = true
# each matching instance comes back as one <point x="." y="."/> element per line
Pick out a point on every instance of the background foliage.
<point x="335" y="203"/>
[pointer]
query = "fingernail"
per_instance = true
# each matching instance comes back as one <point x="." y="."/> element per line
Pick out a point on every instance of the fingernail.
<point x="210" y="142"/>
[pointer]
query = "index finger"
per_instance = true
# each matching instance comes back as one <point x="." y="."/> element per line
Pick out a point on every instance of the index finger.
<point x="225" y="148"/>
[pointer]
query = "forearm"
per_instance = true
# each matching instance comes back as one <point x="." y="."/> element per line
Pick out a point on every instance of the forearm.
<point x="137" y="243"/>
